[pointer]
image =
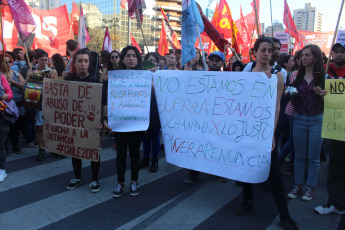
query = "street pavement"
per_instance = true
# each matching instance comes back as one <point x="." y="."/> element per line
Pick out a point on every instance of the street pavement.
<point x="34" y="196"/>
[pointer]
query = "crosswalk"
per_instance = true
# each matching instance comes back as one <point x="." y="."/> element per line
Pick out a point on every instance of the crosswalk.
<point x="34" y="196"/>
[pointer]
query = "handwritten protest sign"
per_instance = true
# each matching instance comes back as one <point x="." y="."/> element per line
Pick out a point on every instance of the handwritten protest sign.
<point x="218" y="122"/>
<point x="72" y="111"/>
<point x="284" y="40"/>
<point x="333" y="125"/>
<point x="340" y="36"/>
<point x="129" y="97"/>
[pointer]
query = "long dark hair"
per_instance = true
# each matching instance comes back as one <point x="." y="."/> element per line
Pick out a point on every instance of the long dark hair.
<point x="58" y="64"/>
<point x="137" y="53"/>
<point x="318" y="68"/>
<point x="201" y="60"/>
<point x="110" y="64"/>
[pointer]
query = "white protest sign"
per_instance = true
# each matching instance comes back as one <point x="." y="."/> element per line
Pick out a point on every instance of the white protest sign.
<point x="340" y="36"/>
<point x="284" y="40"/>
<point x="72" y="112"/>
<point x="220" y="123"/>
<point x="129" y="98"/>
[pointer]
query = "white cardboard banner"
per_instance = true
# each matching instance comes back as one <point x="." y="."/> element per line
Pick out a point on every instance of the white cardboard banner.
<point x="340" y="36"/>
<point x="219" y="123"/>
<point x="129" y="98"/>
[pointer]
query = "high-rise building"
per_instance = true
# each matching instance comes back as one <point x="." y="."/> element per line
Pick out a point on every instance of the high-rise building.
<point x="173" y="10"/>
<point x="209" y="11"/>
<point x="99" y="14"/>
<point x="308" y="19"/>
<point x="277" y="27"/>
<point x="44" y="4"/>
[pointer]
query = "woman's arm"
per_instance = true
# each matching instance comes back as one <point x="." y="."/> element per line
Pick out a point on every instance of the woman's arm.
<point x="8" y="92"/>
<point x="20" y="83"/>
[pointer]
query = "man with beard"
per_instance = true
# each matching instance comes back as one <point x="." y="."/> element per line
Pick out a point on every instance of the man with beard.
<point x="336" y="169"/>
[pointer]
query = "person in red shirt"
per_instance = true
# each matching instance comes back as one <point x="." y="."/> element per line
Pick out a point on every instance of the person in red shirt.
<point x="337" y="68"/>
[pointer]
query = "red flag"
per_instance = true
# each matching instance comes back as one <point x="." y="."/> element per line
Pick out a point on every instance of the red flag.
<point x="211" y="32"/>
<point x="250" y="20"/>
<point x="123" y="4"/>
<point x="223" y="22"/>
<point x="170" y="34"/>
<point x="246" y="39"/>
<point x="289" y="23"/>
<point x="163" y="41"/>
<point x="134" y="43"/>
<point x="75" y="15"/>
<point x="48" y="34"/>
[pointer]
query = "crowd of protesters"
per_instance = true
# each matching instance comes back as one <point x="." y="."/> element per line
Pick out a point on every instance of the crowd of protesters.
<point x="298" y="120"/>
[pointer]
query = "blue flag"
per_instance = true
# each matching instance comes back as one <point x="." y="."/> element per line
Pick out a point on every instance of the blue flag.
<point x="190" y="20"/>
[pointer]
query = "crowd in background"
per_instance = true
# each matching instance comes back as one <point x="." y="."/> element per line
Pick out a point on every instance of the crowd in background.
<point x="297" y="141"/>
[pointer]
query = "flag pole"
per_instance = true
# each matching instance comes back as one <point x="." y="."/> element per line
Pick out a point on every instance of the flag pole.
<point x="200" y="41"/>
<point x="287" y="16"/>
<point x="26" y="54"/>
<point x="114" y="24"/>
<point x="142" y="32"/>
<point x="334" y="37"/>
<point x="271" y="16"/>
<point x="256" y="18"/>
<point x="129" y="29"/>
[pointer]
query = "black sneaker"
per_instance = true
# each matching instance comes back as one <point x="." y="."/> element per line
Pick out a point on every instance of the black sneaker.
<point x="145" y="162"/>
<point x="134" y="189"/>
<point x="74" y="183"/>
<point x="244" y="208"/>
<point x="41" y="155"/>
<point x="94" y="186"/>
<point x="118" y="190"/>
<point x="154" y="165"/>
<point x="288" y="224"/>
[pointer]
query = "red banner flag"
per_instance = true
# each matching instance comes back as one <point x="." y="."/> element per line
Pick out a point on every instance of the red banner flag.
<point x="47" y="34"/>
<point x="135" y="44"/>
<point x="170" y="33"/>
<point x="211" y="32"/>
<point x="246" y="39"/>
<point x="250" y="21"/>
<point x="163" y="41"/>
<point x="22" y="18"/>
<point x="223" y="22"/>
<point x="83" y="35"/>
<point x="75" y="15"/>
<point x="289" y="23"/>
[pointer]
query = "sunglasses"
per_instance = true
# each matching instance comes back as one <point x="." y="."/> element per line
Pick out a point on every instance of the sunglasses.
<point x="114" y="57"/>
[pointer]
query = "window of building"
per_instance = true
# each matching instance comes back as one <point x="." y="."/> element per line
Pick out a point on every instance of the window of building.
<point x="42" y="5"/>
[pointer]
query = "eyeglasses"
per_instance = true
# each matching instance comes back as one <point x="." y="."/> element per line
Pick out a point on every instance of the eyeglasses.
<point x="8" y="62"/>
<point x="114" y="57"/>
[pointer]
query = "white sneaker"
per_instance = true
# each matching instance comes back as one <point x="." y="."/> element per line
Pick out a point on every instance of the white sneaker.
<point x="328" y="209"/>
<point x="3" y="175"/>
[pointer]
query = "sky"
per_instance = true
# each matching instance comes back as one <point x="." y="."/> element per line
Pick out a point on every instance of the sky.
<point x="329" y="8"/>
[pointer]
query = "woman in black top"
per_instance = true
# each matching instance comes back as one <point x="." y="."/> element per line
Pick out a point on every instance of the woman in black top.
<point x="81" y="61"/>
<point x="130" y="60"/>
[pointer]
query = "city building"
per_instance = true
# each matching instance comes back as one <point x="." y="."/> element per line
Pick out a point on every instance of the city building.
<point x="44" y="4"/>
<point x="173" y="10"/>
<point x="209" y="11"/>
<point x="277" y="27"/>
<point x="308" y="19"/>
<point x="99" y="14"/>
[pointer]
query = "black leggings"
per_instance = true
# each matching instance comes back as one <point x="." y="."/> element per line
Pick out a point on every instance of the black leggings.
<point x="77" y="164"/>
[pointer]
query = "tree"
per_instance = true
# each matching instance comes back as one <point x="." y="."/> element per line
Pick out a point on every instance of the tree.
<point x="97" y="37"/>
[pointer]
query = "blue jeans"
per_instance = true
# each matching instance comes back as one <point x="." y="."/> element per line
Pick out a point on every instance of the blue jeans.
<point x="289" y="146"/>
<point x="308" y="142"/>
<point x="4" y="128"/>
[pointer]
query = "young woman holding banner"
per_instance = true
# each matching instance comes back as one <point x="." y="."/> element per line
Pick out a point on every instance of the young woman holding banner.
<point x="130" y="60"/>
<point x="263" y="52"/>
<point x="308" y="120"/>
<point x="81" y="60"/>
